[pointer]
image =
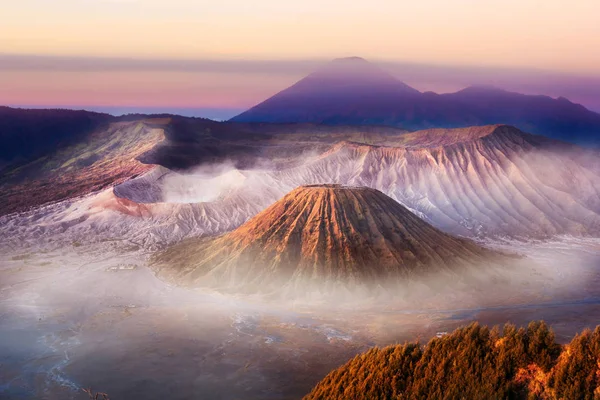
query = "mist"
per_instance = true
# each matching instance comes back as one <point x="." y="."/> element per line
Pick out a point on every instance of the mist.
<point x="202" y="184"/>
<point x="81" y="306"/>
<point x="222" y="88"/>
<point x="74" y="317"/>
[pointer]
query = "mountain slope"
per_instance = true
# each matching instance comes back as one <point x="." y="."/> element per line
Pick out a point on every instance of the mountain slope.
<point x="28" y="133"/>
<point x="473" y="362"/>
<point x="346" y="91"/>
<point x="370" y="96"/>
<point x="481" y="181"/>
<point x="318" y="235"/>
<point x="484" y="181"/>
<point x="106" y="157"/>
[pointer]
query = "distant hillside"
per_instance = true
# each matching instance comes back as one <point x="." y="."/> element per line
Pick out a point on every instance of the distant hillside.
<point x="473" y="363"/>
<point x="90" y="160"/>
<point x="353" y="91"/>
<point x="38" y="148"/>
<point x="29" y="133"/>
<point x="479" y="181"/>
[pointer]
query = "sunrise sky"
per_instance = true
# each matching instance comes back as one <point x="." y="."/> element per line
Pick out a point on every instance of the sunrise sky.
<point x="230" y="54"/>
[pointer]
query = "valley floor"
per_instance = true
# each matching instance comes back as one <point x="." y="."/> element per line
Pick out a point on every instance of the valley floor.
<point x="93" y="315"/>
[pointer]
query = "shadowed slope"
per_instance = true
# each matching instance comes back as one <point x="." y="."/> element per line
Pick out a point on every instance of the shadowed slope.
<point x="108" y="156"/>
<point x="353" y="91"/>
<point x="493" y="180"/>
<point x="28" y="133"/>
<point x="317" y="235"/>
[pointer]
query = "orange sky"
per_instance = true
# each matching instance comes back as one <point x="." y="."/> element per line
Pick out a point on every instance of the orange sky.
<point x="550" y="35"/>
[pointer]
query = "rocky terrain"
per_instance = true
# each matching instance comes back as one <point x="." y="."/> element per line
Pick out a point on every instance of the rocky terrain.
<point x="493" y="181"/>
<point x="479" y="181"/>
<point x="320" y="236"/>
<point x="105" y="157"/>
<point x="82" y="307"/>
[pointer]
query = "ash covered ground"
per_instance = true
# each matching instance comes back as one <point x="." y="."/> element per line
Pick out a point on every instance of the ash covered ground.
<point x="77" y="315"/>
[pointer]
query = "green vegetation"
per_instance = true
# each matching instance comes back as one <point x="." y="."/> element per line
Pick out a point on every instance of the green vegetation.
<point x="473" y="362"/>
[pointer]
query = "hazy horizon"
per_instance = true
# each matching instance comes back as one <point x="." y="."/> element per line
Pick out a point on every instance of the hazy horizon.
<point x="505" y="33"/>
<point x="222" y="88"/>
<point x="148" y="54"/>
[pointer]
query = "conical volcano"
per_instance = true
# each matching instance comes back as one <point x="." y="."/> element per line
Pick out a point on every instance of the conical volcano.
<point x="352" y="75"/>
<point x="353" y="91"/>
<point x="345" y="90"/>
<point x="317" y="235"/>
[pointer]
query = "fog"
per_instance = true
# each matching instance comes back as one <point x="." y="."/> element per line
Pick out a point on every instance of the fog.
<point x="94" y="315"/>
<point x="230" y="86"/>
<point x="80" y="307"/>
<point x="213" y="182"/>
<point x="202" y="184"/>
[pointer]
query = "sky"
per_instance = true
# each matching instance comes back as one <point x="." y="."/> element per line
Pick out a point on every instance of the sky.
<point x="231" y="54"/>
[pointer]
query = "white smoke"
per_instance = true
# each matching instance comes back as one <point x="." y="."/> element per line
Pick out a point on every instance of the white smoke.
<point x="203" y="184"/>
<point x="212" y="182"/>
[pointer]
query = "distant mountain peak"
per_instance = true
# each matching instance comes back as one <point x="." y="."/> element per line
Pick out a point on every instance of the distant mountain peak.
<point x="353" y="71"/>
<point x="340" y="86"/>
<point x="482" y="88"/>
<point x="354" y="91"/>
<point x="354" y="59"/>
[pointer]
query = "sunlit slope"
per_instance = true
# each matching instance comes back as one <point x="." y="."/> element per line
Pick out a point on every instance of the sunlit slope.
<point x="319" y="234"/>
<point x="484" y="180"/>
<point x="106" y="157"/>
<point x="478" y="181"/>
<point x="473" y="362"/>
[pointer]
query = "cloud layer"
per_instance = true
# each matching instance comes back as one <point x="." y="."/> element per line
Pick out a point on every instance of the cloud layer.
<point x="237" y="84"/>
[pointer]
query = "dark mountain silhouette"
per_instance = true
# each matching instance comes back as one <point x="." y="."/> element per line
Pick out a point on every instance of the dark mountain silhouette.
<point x="317" y="236"/>
<point x="29" y="133"/>
<point x="352" y="76"/>
<point x="353" y="91"/>
<point x="71" y="153"/>
<point x="346" y="91"/>
<point x="52" y="154"/>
